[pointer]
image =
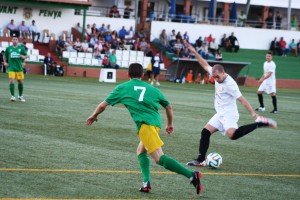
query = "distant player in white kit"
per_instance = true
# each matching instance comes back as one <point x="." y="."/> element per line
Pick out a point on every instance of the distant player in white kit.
<point x="268" y="84"/>
<point x="227" y="116"/>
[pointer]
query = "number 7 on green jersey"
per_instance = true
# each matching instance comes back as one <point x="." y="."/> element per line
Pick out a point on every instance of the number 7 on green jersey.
<point x="141" y="98"/>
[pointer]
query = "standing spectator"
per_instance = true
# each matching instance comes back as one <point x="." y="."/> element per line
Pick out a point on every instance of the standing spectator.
<point x="78" y="27"/>
<point x="278" y="19"/>
<point x="294" y="23"/>
<point x="108" y="29"/>
<point x="163" y="40"/>
<point x="13" y="29"/>
<point x="48" y="61"/>
<point x="127" y="12"/>
<point x="298" y="46"/>
<point x="242" y="19"/>
<point x="130" y="35"/>
<point x="269" y="21"/>
<point x="34" y="32"/>
<point x="94" y="29"/>
<point x="156" y="61"/>
<point x="24" y="30"/>
<point x="13" y="59"/>
<point x="172" y="38"/>
<point x="267" y="84"/>
<point x="122" y="33"/>
<point x="114" y="12"/>
<point x="178" y="47"/>
<point x="179" y="36"/>
<point x="234" y="43"/>
<point x="143" y="102"/>
<point x="198" y="43"/>
<point x="225" y="120"/>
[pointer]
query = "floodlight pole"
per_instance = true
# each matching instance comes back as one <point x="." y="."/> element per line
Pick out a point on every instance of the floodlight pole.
<point x="248" y="7"/>
<point x="289" y="16"/>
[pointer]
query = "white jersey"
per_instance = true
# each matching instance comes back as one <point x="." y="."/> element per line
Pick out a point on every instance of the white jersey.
<point x="270" y="67"/>
<point x="226" y="94"/>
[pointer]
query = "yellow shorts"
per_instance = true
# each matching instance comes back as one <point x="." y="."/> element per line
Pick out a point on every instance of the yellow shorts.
<point x="16" y="75"/>
<point x="149" y="137"/>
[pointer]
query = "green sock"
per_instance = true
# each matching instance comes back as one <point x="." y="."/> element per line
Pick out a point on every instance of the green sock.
<point x="20" y="87"/>
<point x="174" y="166"/>
<point x="12" y="89"/>
<point x="144" y="162"/>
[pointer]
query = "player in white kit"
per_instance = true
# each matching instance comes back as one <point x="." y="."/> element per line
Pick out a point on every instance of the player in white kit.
<point x="268" y="84"/>
<point x="227" y="116"/>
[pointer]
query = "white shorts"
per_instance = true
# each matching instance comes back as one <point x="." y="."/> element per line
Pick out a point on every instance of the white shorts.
<point x="267" y="88"/>
<point x="224" y="122"/>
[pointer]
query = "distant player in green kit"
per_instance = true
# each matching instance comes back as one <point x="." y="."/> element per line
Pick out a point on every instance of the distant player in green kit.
<point x="13" y="60"/>
<point x="143" y="101"/>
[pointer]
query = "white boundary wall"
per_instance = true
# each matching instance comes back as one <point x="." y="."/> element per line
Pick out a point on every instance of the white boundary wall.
<point x="249" y="38"/>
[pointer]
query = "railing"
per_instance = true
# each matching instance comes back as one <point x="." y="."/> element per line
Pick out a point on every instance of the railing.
<point x="104" y="12"/>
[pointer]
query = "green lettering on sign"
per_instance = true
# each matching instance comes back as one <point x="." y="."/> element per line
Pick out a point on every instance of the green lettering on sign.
<point x="8" y="9"/>
<point x="50" y="13"/>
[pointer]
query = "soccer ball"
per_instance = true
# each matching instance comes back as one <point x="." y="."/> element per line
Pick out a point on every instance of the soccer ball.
<point x="214" y="160"/>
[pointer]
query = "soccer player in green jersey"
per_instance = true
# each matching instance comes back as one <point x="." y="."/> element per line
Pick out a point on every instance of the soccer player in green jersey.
<point x="143" y="101"/>
<point x="13" y="59"/>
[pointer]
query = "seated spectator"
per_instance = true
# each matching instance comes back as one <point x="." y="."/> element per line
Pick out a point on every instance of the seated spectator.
<point x="209" y="39"/>
<point x="97" y="54"/>
<point x="178" y="47"/>
<point x="58" y="70"/>
<point x="130" y="34"/>
<point x="189" y="77"/>
<point x="172" y="38"/>
<point x="203" y="51"/>
<point x="105" y="62"/>
<point x="136" y="45"/>
<point x="69" y="45"/>
<point x="77" y="45"/>
<point x="186" y="37"/>
<point x="293" y="47"/>
<point x="102" y="28"/>
<point x="108" y="36"/>
<point x="198" y="43"/>
<point x="60" y="46"/>
<point x="234" y="43"/>
<point x="114" y="12"/>
<point x="283" y="49"/>
<point x="143" y="44"/>
<point x="2" y="67"/>
<point x="23" y="44"/>
<point x="85" y="46"/>
<point x="88" y="32"/>
<point x="148" y="51"/>
<point x="114" y="43"/>
<point x="112" y="60"/>
<point x="127" y="11"/>
<point x="78" y="27"/>
<point x="274" y="47"/>
<point x="223" y="42"/>
<point x="48" y="61"/>
<point x="122" y="45"/>
<point x="122" y="33"/>
<point x="198" y="79"/>
<point x="13" y="29"/>
<point x="24" y="30"/>
<point x="34" y="32"/>
<point x="213" y="46"/>
<point x="106" y="48"/>
<point x="94" y="30"/>
<point x="98" y="46"/>
<point x="142" y="33"/>
<point x="108" y="29"/>
<point x="179" y="36"/>
<point x="218" y="55"/>
<point x="93" y="41"/>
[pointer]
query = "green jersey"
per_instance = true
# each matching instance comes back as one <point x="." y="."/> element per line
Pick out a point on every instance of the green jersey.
<point x="142" y="101"/>
<point x="13" y="57"/>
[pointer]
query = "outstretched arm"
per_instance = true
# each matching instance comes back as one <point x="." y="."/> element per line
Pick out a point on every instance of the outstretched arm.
<point x="204" y="64"/>
<point x="100" y="108"/>
<point x="169" y="113"/>
<point x="246" y="104"/>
